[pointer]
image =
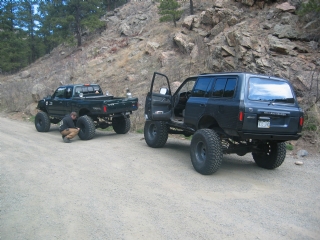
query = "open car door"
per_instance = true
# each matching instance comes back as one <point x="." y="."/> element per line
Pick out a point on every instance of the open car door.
<point x="158" y="106"/>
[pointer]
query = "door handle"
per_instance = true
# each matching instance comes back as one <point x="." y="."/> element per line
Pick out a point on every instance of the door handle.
<point x="202" y="105"/>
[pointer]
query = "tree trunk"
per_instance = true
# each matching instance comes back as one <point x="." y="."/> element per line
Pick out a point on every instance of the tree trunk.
<point x="78" y="27"/>
<point x="191" y="7"/>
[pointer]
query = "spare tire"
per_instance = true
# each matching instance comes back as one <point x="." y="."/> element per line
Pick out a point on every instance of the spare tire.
<point x="87" y="128"/>
<point x="42" y="122"/>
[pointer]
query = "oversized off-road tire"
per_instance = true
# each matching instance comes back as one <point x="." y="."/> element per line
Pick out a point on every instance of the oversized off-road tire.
<point x="42" y="122"/>
<point x="270" y="155"/>
<point x="121" y="125"/>
<point x="155" y="133"/>
<point x="206" y="151"/>
<point x="87" y="128"/>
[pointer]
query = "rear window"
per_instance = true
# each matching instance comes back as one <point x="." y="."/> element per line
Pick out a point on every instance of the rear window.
<point x="261" y="89"/>
<point x="88" y="89"/>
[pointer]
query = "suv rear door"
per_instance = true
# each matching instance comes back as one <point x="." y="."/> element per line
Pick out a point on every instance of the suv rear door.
<point x="271" y="107"/>
<point x="224" y="101"/>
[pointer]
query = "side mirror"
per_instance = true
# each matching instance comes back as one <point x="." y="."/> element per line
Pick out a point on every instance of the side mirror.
<point x="164" y="91"/>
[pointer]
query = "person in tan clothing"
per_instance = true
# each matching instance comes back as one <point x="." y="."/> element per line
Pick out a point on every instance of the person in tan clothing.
<point x="67" y="128"/>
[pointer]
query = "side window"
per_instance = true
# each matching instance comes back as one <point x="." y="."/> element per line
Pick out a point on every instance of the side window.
<point x="230" y="88"/>
<point x="77" y="92"/>
<point x="201" y="87"/>
<point x="219" y="87"/>
<point x="69" y="93"/>
<point x="60" y="93"/>
<point x="224" y="87"/>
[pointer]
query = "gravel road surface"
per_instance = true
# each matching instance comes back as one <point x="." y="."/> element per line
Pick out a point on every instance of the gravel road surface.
<point x="116" y="187"/>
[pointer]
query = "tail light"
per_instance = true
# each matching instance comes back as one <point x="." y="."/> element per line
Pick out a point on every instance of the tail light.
<point x="301" y="121"/>
<point x="241" y="116"/>
<point x="105" y="108"/>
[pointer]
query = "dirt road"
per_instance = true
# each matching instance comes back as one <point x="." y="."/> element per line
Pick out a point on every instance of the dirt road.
<point x="115" y="187"/>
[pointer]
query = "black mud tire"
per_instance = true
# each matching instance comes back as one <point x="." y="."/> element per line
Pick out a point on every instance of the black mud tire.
<point x="155" y="133"/>
<point x="42" y="122"/>
<point x="87" y="128"/>
<point x="271" y="155"/>
<point x="121" y="125"/>
<point x="206" y="151"/>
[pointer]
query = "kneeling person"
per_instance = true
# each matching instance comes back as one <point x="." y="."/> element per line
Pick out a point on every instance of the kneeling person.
<point x="67" y="128"/>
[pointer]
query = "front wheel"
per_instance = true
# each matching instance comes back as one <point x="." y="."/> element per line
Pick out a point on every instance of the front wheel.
<point x="42" y="122"/>
<point x="206" y="151"/>
<point x="121" y="125"/>
<point x="87" y="128"/>
<point x="270" y="155"/>
<point x="155" y="133"/>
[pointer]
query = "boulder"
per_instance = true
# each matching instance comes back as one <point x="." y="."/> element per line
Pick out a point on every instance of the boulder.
<point x="282" y="46"/>
<point x="188" y="21"/>
<point x="31" y="109"/>
<point x="124" y="29"/>
<point x="218" y="3"/>
<point x="285" y="31"/>
<point x="248" y="2"/>
<point x="25" y="74"/>
<point x="302" y="153"/>
<point x="227" y="51"/>
<point x="166" y="58"/>
<point x="286" y="7"/>
<point x="183" y="43"/>
<point x="217" y="29"/>
<point x="151" y="47"/>
<point x="206" y="16"/>
<point x="38" y="92"/>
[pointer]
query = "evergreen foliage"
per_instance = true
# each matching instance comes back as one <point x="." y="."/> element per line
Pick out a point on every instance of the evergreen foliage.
<point x="312" y="6"/>
<point x="30" y="29"/>
<point x="169" y="11"/>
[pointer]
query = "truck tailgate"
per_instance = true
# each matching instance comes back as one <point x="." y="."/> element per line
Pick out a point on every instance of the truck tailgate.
<point x="121" y="105"/>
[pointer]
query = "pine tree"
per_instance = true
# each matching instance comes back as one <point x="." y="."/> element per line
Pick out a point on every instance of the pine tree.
<point x="169" y="11"/>
<point x="27" y="18"/>
<point x="312" y="6"/>
<point x="13" y="46"/>
<point x="73" y="17"/>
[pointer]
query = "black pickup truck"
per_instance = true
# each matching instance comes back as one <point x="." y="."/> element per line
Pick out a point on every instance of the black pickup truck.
<point x="94" y="109"/>
<point x="226" y="113"/>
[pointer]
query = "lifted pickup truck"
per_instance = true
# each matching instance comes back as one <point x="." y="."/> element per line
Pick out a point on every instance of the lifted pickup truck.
<point x="94" y="109"/>
<point x="226" y="113"/>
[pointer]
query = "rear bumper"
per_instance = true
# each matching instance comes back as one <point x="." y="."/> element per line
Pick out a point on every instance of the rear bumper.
<point x="268" y="136"/>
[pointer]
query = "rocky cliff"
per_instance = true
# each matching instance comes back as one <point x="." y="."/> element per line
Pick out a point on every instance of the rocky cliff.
<point x="256" y="36"/>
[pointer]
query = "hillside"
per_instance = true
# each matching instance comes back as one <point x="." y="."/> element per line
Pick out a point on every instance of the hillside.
<point x="255" y="36"/>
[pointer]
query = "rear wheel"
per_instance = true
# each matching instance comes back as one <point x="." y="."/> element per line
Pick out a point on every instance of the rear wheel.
<point x="42" y="122"/>
<point x="270" y="155"/>
<point x="206" y="151"/>
<point x="155" y="133"/>
<point x="121" y="125"/>
<point x="87" y="128"/>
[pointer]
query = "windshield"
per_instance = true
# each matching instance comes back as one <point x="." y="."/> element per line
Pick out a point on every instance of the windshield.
<point x="261" y="89"/>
